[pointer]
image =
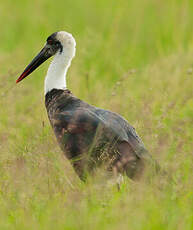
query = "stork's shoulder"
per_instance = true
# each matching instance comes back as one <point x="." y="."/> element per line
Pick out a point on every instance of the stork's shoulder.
<point x="68" y="112"/>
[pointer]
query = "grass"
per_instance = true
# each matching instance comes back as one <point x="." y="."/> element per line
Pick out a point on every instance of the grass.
<point x="134" y="58"/>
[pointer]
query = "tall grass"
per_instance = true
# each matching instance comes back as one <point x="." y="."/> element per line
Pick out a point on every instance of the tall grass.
<point x="134" y="58"/>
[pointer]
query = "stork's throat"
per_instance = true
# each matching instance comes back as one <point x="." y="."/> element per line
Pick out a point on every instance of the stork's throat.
<point x="56" y="75"/>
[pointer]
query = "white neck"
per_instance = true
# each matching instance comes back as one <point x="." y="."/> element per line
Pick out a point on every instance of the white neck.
<point x="56" y="75"/>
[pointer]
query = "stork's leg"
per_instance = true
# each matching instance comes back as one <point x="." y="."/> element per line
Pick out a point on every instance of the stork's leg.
<point x="117" y="178"/>
<point x="119" y="181"/>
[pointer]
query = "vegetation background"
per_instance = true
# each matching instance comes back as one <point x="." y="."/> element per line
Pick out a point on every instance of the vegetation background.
<point x="134" y="57"/>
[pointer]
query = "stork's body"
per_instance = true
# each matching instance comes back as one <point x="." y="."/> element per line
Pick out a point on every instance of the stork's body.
<point x="88" y="136"/>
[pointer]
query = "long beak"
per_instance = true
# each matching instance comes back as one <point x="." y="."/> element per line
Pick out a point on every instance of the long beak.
<point x="43" y="55"/>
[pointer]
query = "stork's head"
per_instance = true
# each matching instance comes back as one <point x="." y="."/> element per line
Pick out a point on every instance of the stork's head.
<point x="58" y="43"/>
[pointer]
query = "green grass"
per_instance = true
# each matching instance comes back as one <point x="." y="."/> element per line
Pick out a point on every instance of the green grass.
<point x="133" y="57"/>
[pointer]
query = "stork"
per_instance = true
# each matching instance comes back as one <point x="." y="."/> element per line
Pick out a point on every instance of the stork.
<point x="88" y="136"/>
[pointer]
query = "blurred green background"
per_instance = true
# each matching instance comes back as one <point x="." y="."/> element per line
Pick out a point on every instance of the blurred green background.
<point x="133" y="57"/>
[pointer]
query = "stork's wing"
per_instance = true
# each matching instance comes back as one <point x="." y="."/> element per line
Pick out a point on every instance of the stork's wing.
<point x="77" y="121"/>
<point x="84" y="122"/>
<point x="127" y="133"/>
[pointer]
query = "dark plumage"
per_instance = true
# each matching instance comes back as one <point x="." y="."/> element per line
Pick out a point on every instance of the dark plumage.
<point x="90" y="136"/>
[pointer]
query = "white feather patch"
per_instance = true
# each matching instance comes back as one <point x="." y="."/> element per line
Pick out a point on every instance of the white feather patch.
<point x="56" y="75"/>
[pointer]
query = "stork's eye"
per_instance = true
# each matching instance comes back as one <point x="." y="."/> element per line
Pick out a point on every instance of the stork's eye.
<point x="50" y="42"/>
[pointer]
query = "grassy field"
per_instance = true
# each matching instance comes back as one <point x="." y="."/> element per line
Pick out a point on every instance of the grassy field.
<point x="134" y="57"/>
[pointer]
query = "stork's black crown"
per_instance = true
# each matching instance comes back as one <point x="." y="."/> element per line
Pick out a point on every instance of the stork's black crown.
<point x="54" y="42"/>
